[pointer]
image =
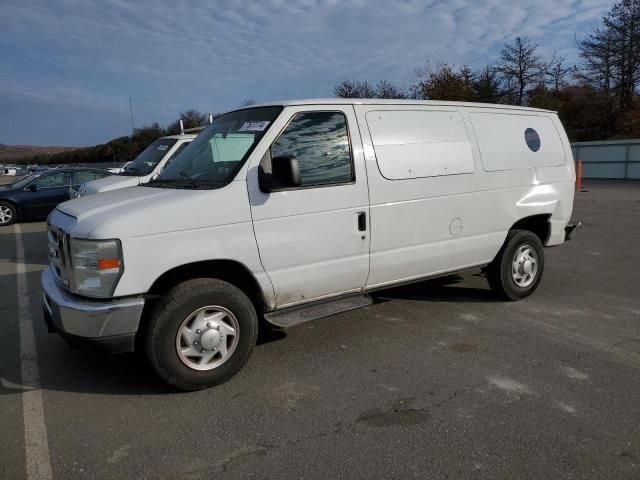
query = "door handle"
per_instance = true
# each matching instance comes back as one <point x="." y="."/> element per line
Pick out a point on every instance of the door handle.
<point x="362" y="222"/>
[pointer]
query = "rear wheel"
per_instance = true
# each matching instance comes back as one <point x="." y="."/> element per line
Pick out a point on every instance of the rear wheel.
<point x="516" y="271"/>
<point x="201" y="333"/>
<point x="8" y="214"/>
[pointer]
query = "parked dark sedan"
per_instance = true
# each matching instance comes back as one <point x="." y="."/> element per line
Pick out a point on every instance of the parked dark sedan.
<point x="35" y="195"/>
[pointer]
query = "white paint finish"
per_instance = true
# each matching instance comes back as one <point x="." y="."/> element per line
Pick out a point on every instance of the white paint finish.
<point x="397" y="127"/>
<point x="420" y="143"/>
<point x="405" y="104"/>
<point x="502" y="143"/>
<point x="308" y="238"/>
<point x="38" y="464"/>
<point x="151" y="222"/>
<point x="411" y="218"/>
<point x="397" y="162"/>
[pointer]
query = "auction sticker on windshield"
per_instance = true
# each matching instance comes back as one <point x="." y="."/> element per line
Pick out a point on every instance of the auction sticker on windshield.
<point x="254" y="126"/>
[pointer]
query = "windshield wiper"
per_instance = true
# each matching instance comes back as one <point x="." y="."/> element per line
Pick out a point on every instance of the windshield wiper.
<point x="175" y="182"/>
<point x="191" y="180"/>
<point x="130" y="171"/>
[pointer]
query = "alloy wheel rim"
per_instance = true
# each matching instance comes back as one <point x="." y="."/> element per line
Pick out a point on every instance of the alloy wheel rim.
<point x="5" y="214"/>
<point x="524" y="266"/>
<point x="207" y="337"/>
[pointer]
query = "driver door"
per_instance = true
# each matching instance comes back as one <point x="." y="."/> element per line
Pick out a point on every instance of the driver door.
<point x="313" y="240"/>
<point x="46" y="192"/>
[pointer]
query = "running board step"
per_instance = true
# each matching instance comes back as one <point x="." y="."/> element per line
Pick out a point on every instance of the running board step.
<point x="305" y="313"/>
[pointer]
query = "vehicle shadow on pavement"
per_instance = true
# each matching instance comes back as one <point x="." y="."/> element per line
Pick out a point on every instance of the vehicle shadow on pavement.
<point x="442" y="289"/>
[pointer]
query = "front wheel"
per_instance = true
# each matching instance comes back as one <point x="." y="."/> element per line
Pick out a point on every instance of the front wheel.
<point x="201" y="333"/>
<point x="516" y="271"/>
<point x="8" y="214"/>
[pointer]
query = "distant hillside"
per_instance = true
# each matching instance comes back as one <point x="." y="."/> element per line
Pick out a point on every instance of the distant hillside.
<point x="115" y="151"/>
<point x="11" y="153"/>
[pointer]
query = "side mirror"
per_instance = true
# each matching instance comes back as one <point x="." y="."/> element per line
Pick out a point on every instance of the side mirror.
<point x="285" y="173"/>
<point x="33" y="187"/>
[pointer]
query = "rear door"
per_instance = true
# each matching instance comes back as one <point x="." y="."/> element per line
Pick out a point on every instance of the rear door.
<point x="314" y="240"/>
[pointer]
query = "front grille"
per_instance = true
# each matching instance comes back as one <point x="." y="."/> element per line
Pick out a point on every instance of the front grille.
<point x="58" y="246"/>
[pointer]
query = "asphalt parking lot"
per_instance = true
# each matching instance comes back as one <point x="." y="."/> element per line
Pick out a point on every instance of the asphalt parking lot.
<point x="435" y="380"/>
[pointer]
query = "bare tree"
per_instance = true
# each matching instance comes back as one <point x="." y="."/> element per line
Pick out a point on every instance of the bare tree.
<point x="488" y="85"/>
<point x="354" y="89"/>
<point x="521" y="67"/>
<point x="247" y="102"/>
<point x="385" y="89"/>
<point x="190" y="119"/>
<point x="597" y="67"/>
<point x="611" y="53"/>
<point x="557" y="73"/>
<point x="445" y="83"/>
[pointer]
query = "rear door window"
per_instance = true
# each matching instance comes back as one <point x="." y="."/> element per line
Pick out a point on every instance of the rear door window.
<point x="84" y="176"/>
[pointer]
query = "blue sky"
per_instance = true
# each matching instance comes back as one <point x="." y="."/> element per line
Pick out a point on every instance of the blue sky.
<point x="68" y="68"/>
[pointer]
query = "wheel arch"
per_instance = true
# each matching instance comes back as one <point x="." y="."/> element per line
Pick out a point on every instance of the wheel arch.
<point x="230" y="271"/>
<point x="537" y="224"/>
<point x="14" y="205"/>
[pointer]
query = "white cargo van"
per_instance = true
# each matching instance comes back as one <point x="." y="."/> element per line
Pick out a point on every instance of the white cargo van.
<point x="146" y="166"/>
<point x="296" y="210"/>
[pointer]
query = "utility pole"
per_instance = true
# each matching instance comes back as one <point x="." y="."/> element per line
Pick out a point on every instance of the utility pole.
<point x="131" y="112"/>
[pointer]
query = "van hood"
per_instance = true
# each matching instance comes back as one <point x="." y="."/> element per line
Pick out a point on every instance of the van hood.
<point x="112" y="182"/>
<point x="140" y="211"/>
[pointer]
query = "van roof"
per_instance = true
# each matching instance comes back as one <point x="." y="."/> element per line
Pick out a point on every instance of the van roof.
<point x="375" y="101"/>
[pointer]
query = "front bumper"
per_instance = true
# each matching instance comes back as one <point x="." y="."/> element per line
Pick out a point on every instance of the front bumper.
<point x="110" y="325"/>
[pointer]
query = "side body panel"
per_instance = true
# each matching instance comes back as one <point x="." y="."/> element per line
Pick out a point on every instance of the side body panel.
<point x="170" y="228"/>
<point x="435" y="224"/>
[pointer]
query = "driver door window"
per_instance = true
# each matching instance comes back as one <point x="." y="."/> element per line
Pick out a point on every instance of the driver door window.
<point x="53" y="180"/>
<point x="320" y="142"/>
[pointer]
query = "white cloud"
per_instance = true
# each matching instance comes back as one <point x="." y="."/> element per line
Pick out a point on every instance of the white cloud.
<point x="211" y="55"/>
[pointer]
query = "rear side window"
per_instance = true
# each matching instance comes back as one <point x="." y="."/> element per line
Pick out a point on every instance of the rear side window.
<point x="320" y="142"/>
<point x="84" y="176"/>
<point x="420" y="143"/>
<point x="513" y="141"/>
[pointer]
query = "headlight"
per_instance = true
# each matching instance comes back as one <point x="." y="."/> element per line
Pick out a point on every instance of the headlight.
<point x="97" y="266"/>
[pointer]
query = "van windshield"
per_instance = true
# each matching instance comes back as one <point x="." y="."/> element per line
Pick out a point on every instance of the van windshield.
<point x="216" y="155"/>
<point x="149" y="158"/>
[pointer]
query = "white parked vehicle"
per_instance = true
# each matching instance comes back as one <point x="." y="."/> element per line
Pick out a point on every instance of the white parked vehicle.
<point x="295" y="210"/>
<point x="146" y="166"/>
<point x="118" y="169"/>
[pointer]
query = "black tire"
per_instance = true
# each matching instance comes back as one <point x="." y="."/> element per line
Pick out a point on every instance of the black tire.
<point x="499" y="272"/>
<point x="12" y="210"/>
<point x="172" y="309"/>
